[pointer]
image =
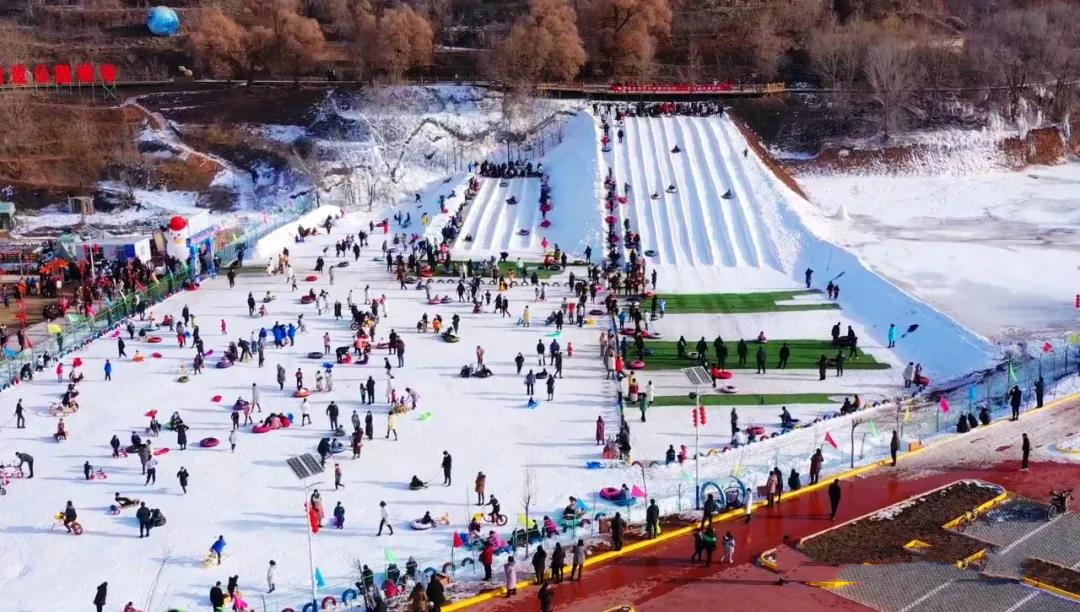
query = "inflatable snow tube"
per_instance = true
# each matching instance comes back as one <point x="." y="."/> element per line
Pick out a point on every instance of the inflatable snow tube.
<point x="451" y="338"/>
<point x="446" y="300"/>
<point x="301" y="393"/>
<point x="728" y="389"/>
<point x="417" y="525"/>
<point x="306" y="299"/>
<point x="922" y="381"/>
<point x="156" y="355"/>
<point x="161" y="451"/>
<point x="209" y="442"/>
<point x="153" y="339"/>
<point x="315" y="355"/>
<point x="349" y="595"/>
<point x="183" y="379"/>
<point x="138" y="358"/>
<point x="260" y="429"/>
<point x="722" y="374"/>
<point x="650" y="253"/>
<point x="610" y="219"/>
<point x="426" y="273"/>
<point x="311" y="278"/>
<point x="757" y="430"/>
<point x="523" y="232"/>
<point x="132" y="449"/>
<point x="224" y="363"/>
<point x="545" y="223"/>
<point x="216" y="398"/>
<point x="343" y="264"/>
<point x="611" y="493"/>
<point x="637" y="364"/>
<point x="327" y="602"/>
<point x="382" y="345"/>
<point x="597" y="312"/>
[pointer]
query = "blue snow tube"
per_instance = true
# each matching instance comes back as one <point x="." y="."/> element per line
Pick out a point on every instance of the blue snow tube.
<point x="310" y="606"/>
<point x="348" y="595"/>
<point x="163" y="21"/>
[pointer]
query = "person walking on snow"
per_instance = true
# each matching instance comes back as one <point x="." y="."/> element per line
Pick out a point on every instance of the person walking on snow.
<point x="337" y="477"/>
<point x="270" y="577"/>
<point x="182" y="476"/>
<point x="232" y="441"/>
<point x="892" y="335"/>
<point x="391" y="425"/>
<point x="1025" y="449"/>
<point x="834" y="499"/>
<point x="599" y="430"/>
<point x="1015" y="398"/>
<point x="384" y="519"/>
<point x="551" y="388"/>
<point x="108" y="370"/>
<point x="446" y="464"/>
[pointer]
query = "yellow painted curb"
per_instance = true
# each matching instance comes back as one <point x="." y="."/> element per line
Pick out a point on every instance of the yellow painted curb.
<point x="1049" y="588"/>
<point x="682" y="531"/>
<point x="972" y="558"/>
<point x="832" y="585"/>
<point x="978" y="511"/>
<point x="1067" y="451"/>
<point x="917" y="545"/>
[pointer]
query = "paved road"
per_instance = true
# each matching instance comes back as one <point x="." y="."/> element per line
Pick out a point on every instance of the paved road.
<point x="662" y="578"/>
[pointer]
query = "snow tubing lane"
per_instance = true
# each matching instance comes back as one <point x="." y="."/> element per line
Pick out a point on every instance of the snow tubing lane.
<point x="209" y="442"/>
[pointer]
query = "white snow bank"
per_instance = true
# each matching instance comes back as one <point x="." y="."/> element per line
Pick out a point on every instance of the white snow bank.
<point x="271" y="244"/>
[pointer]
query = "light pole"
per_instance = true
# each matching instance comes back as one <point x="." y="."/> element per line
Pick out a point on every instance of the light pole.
<point x="304" y="467"/>
<point x="699" y="377"/>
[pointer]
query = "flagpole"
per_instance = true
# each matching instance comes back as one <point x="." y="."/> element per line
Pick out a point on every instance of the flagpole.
<point x="310" y="548"/>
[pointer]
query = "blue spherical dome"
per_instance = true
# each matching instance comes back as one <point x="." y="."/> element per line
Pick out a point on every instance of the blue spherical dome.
<point x="163" y="21"/>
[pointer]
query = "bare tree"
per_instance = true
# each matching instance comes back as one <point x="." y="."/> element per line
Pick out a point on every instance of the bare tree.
<point x="892" y="71"/>
<point x="1015" y="48"/>
<point x="529" y="490"/>
<point x="836" y="54"/>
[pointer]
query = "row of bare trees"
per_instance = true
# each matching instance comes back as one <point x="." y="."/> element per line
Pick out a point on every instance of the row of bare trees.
<point x="900" y="66"/>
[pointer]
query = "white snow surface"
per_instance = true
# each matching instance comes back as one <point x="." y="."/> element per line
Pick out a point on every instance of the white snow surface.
<point x="1001" y="240"/>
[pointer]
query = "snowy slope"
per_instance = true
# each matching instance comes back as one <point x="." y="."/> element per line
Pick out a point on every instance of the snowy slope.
<point x="575" y="221"/>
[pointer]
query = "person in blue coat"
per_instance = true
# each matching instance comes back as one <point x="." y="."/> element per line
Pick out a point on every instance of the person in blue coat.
<point x="292" y="334"/>
<point x="892" y="335"/>
<point x="218" y="547"/>
<point x="108" y="370"/>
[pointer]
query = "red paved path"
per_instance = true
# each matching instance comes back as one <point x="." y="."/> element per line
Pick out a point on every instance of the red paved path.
<point x="661" y="578"/>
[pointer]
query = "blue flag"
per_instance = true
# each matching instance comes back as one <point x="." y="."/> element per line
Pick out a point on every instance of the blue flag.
<point x="319" y="580"/>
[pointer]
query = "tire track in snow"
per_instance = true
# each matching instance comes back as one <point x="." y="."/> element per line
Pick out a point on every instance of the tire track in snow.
<point x="679" y="208"/>
<point x="658" y="225"/>
<point x="766" y="248"/>
<point x="478" y="216"/>
<point x="699" y="195"/>
<point x="743" y="221"/>
<point x="716" y="208"/>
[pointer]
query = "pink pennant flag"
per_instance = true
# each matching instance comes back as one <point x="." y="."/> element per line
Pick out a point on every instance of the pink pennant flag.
<point x="1047" y="347"/>
<point x="637" y="492"/>
<point x="944" y="404"/>
<point x="829" y="439"/>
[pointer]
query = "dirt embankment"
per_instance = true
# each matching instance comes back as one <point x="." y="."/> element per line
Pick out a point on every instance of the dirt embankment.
<point x="1042" y="146"/>
<point x="778" y="169"/>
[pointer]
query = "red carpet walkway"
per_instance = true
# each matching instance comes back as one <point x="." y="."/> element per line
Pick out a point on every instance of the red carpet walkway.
<point x="661" y="578"/>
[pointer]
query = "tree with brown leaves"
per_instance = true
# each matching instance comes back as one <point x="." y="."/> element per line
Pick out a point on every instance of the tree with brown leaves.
<point x="623" y="35"/>
<point x="544" y="44"/>
<point x="404" y="42"/>
<point x="219" y="45"/>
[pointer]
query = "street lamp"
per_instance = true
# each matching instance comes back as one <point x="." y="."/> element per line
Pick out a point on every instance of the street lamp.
<point x="699" y="377"/>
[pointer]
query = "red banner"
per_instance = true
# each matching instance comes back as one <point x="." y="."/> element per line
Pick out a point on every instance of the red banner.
<point x="673" y="89"/>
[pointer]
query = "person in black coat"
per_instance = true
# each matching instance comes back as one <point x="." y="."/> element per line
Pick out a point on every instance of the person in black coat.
<point x="834" y="499"/>
<point x="1025" y="449"/>
<point x="539" y="562"/>
<point x="446" y="464"/>
<point x="181" y="435"/>
<point x="1014" y="401"/>
<point x="546" y="595"/>
<point x="143" y="514"/>
<point x="435" y="594"/>
<point x="369" y="424"/>
<point x="618" y="526"/>
<point x="217" y="597"/>
<point x="652" y="520"/>
<point x="99" y="597"/>
<point x="785" y="354"/>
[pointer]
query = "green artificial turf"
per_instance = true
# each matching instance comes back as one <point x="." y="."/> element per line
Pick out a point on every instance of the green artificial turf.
<point x="730" y="303"/>
<point x="804" y="355"/>
<point x="506" y="267"/>
<point x="750" y="399"/>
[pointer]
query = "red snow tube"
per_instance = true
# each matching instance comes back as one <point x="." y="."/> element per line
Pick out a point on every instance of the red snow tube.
<point x="156" y="355"/>
<point x="216" y="398"/>
<point x="923" y="381"/>
<point x="545" y="223"/>
<point x="611" y="493"/>
<point x="721" y="374"/>
<point x="260" y="429"/>
<point x="622" y="200"/>
<point x="757" y="430"/>
<point x="347" y="358"/>
<point x="545" y="208"/>
<point x="301" y="393"/>
<point x="151" y="413"/>
<point x="209" y="442"/>
<point x="153" y="339"/>
<point x="610" y="219"/>
<point x="311" y="278"/>
<point x="77" y="362"/>
<point x="637" y="364"/>
<point x="306" y="299"/>
<point x="285" y="423"/>
<point x="161" y="451"/>
<point x="327" y="602"/>
<point x="426" y="273"/>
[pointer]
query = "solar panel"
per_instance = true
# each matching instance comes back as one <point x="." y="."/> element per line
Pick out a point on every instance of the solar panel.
<point x="697" y="375"/>
<point x="305" y="466"/>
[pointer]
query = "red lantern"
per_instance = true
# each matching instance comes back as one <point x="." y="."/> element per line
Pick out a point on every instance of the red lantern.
<point x="694" y="413"/>
<point x="701" y="411"/>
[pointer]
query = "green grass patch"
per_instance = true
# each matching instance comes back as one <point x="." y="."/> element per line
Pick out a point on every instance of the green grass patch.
<point x="732" y="303"/>
<point x="506" y="268"/>
<point x="804" y="355"/>
<point x="749" y="399"/>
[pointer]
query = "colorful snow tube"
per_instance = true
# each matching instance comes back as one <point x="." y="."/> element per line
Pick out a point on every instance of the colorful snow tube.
<point x="922" y="381"/>
<point x="224" y="363"/>
<point x="138" y="358"/>
<point x="622" y="200"/>
<point x="209" y="442"/>
<point x="153" y="339"/>
<point x="349" y="595"/>
<point x="523" y="232"/>
<point x="307" y="299"/>
<point x="314" y="355"/>
<point x="722" y="374"/>
<point x="545" y="223"/>
<point x="611" y="493"/>
<point x="156" y="355"/>
<point x="417" y="525"/>
<point x="426" y="273"/>
<point x="597" y="312"/>
<point x="260" y="429"/>
<point x="311" y="278"/>
<point x="328" y="603"/>
<point x="610" y="219"/>
<point x="161" y="451"/>
<point x="757" y="430"/>
<point x="728" y="389"/>
<point x="216" y="398"/>
<point x="637" y="364"/>
<point x="301" y="393"/>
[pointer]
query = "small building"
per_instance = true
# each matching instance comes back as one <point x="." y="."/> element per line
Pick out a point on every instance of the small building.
<point x="7" y="215"/>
